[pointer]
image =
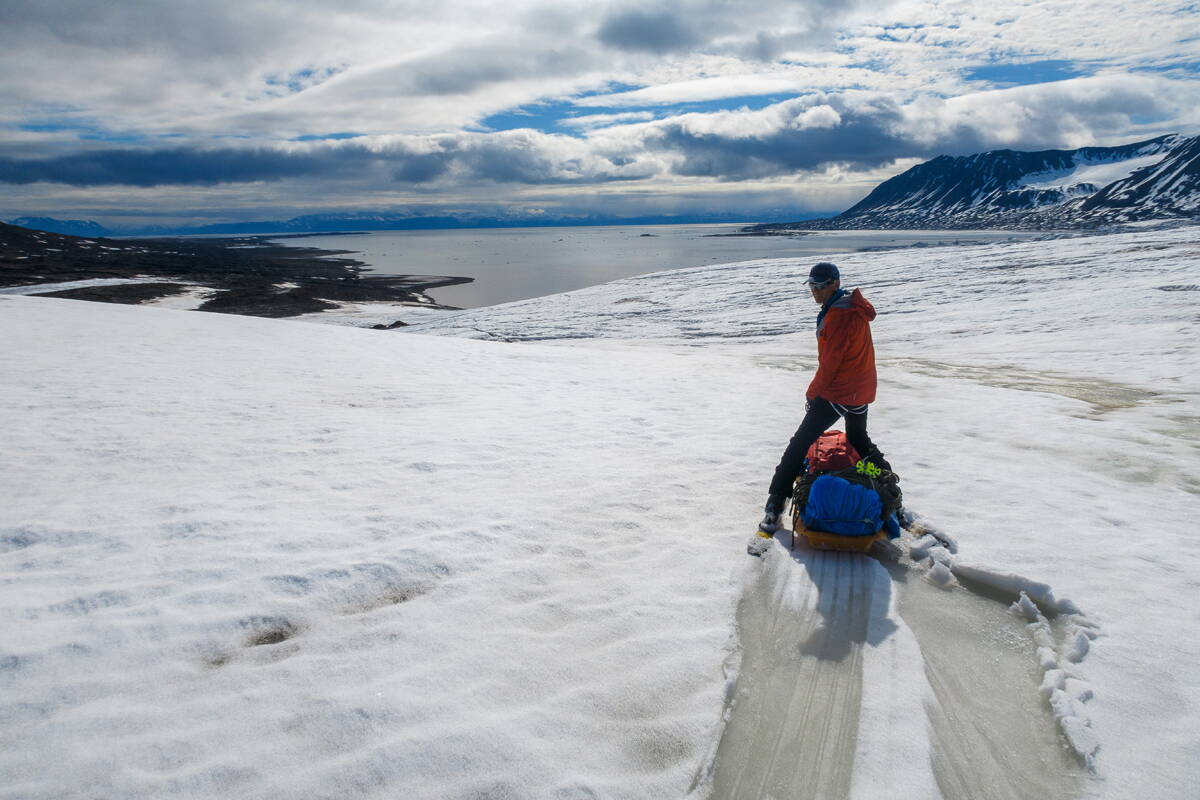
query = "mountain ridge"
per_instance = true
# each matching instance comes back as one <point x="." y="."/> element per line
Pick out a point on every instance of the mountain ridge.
<point x="69" y="227"/>
<point x="1155" y="178"/>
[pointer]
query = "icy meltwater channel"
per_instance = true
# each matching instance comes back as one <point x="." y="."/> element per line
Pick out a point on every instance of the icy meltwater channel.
<point x="939" y="677"/>
<point x="519" y="263"/>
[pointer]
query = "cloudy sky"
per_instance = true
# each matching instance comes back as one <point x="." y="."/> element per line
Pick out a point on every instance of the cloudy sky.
<point x="169" y="111"/>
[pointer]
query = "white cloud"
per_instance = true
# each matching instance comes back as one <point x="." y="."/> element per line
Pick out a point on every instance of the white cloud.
<point x="699" y="90"/>
<point x="592" y="121"/>
<point x="1063" y="114"/>
<point x="871" y="85"/>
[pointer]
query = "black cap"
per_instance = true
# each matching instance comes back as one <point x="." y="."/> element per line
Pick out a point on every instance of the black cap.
<point x="823" y="273"/>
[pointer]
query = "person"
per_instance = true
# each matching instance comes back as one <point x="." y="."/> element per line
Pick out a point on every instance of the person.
<point x="844" y="385"/>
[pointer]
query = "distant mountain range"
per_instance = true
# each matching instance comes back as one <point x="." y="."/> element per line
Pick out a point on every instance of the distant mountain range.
<point x="71" y="227"/>
<point x="360" y="221"/>
<point x="1092" y="186"/>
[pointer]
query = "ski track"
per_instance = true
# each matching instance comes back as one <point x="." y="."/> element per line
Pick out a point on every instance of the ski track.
<point x="864" y="675"/>
<point x="802" y="632"/>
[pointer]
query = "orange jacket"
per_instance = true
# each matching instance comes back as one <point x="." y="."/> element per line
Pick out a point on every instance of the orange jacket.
<point x="845" y="353"/>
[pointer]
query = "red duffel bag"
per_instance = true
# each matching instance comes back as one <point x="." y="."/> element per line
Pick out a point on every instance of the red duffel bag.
<point x="831" y="451"/>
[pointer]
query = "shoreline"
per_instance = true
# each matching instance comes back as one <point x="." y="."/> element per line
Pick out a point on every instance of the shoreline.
<point x="248" y="275"/>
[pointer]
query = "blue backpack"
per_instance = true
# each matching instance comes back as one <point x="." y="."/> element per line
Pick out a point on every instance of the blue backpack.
<point x="836" y="505"/>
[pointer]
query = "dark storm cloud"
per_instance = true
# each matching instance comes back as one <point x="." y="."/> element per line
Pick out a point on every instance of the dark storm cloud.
<point x="463" y="158"/>
<point x="864" y="137"/>
<point x="422" y="168"/>
<point x="178" y="166"/>
<point x="658" y="32"/>
<point x="860" y="144"/>
<point x="500" y="161"/>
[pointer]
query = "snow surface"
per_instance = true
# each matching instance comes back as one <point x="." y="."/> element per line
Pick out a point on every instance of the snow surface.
<point x="1098" y="174"/>
<point x="190" y="299"/>
<point x="42" y="288"/>
<point x="247" y="557"/>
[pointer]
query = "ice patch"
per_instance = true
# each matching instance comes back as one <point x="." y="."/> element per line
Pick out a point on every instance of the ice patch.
<point x="1057" y="648"/>
<point x="830" y="692"/>
<point x="1014" y="585"/>
<point x="919" y="550"/>
<point x="940" y="574"/>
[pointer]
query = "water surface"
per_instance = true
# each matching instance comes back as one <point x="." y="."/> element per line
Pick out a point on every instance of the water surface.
<point x="519" y="263"/>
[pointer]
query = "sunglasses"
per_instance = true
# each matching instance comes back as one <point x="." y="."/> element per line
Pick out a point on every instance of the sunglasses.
<point x="818" y="285"/>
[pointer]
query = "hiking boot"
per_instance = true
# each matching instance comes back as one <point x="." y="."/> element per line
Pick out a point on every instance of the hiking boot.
<point x="771" y="515"/>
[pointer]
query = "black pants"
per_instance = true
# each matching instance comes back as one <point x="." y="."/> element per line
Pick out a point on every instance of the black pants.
<point x="817" y="419"/>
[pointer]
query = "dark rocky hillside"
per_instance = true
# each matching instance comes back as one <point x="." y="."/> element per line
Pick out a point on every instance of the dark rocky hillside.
<point x="1089" y="187"/>
<point x="247" y="275"/>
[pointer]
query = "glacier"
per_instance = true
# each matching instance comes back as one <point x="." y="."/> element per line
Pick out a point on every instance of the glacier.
<point x="500" y="552"/>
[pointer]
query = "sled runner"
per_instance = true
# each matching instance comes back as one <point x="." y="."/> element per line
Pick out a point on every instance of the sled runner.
<point x="821" y="540"/>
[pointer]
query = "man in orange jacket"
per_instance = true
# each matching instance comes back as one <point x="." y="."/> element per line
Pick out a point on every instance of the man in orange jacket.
<point x="843" y="386"/>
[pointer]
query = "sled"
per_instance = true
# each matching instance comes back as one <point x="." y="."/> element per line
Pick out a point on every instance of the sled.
<point x="820" y="540"/>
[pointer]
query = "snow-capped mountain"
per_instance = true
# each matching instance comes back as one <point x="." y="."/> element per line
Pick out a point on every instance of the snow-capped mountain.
<point x="1154" y="179"/>
<point x="71" y="227"/>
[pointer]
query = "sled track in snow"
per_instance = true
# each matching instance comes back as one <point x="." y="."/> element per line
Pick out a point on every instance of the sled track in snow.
<point x="808" y="620"/>
<point x="800" y="682"/>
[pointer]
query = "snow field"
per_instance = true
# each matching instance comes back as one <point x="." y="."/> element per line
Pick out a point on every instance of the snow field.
<point x="267" y="558"/>
<point x="189" y="300"/>
<point x="38" y="288"/>
<point x="1098" y="174"/>
<point x="1038" y="399"/>
<point x="263" y="558"/>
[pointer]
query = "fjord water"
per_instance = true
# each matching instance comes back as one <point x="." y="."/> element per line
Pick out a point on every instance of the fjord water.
<point x="519" y="263"/>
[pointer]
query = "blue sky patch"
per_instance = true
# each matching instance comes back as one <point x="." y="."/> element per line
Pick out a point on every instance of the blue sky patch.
<point x="300" y="80"/>
<point x="890" y="32"/>
<point x="546" y="116"/>
<point x="539" y="116"/>
<point x="85" y="131"/>
<point x="549" y="117"/>
<point x="1192" y="67"/>
<point x="1028" y="73"/>
<point x="1148" y="119"/>
<point x="320" y="137"/>
<point x="752" y="102"/>
<point x="612" y="88"/>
